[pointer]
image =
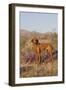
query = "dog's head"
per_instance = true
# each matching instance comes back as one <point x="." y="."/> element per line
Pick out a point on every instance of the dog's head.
<point x="35" y="41"/>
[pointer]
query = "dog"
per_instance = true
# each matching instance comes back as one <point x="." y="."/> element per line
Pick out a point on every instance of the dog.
<point x="39" y="47"/>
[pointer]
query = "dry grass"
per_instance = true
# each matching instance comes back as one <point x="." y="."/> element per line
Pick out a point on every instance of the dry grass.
<point x="37" y="70"/>
<point x="28" y="67"/>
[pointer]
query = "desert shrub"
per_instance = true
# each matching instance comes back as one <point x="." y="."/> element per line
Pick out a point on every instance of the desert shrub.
<point x="28" y="56"/>
<point x="55" y="54"/>
<point x="44" y="56"/>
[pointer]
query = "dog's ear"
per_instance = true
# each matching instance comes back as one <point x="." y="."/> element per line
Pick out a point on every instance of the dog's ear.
<point x="37" y="41"/>
<point x="32" y="40"/>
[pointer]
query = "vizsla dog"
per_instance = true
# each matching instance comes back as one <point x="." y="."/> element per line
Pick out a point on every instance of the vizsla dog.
<point x="39" y="47"/>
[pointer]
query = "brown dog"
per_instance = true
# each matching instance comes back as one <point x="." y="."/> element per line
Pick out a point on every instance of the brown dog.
<point x="39" y="47"/>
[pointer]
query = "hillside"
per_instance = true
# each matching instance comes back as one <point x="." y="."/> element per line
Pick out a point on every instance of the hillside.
<point x="26" y="35"/>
